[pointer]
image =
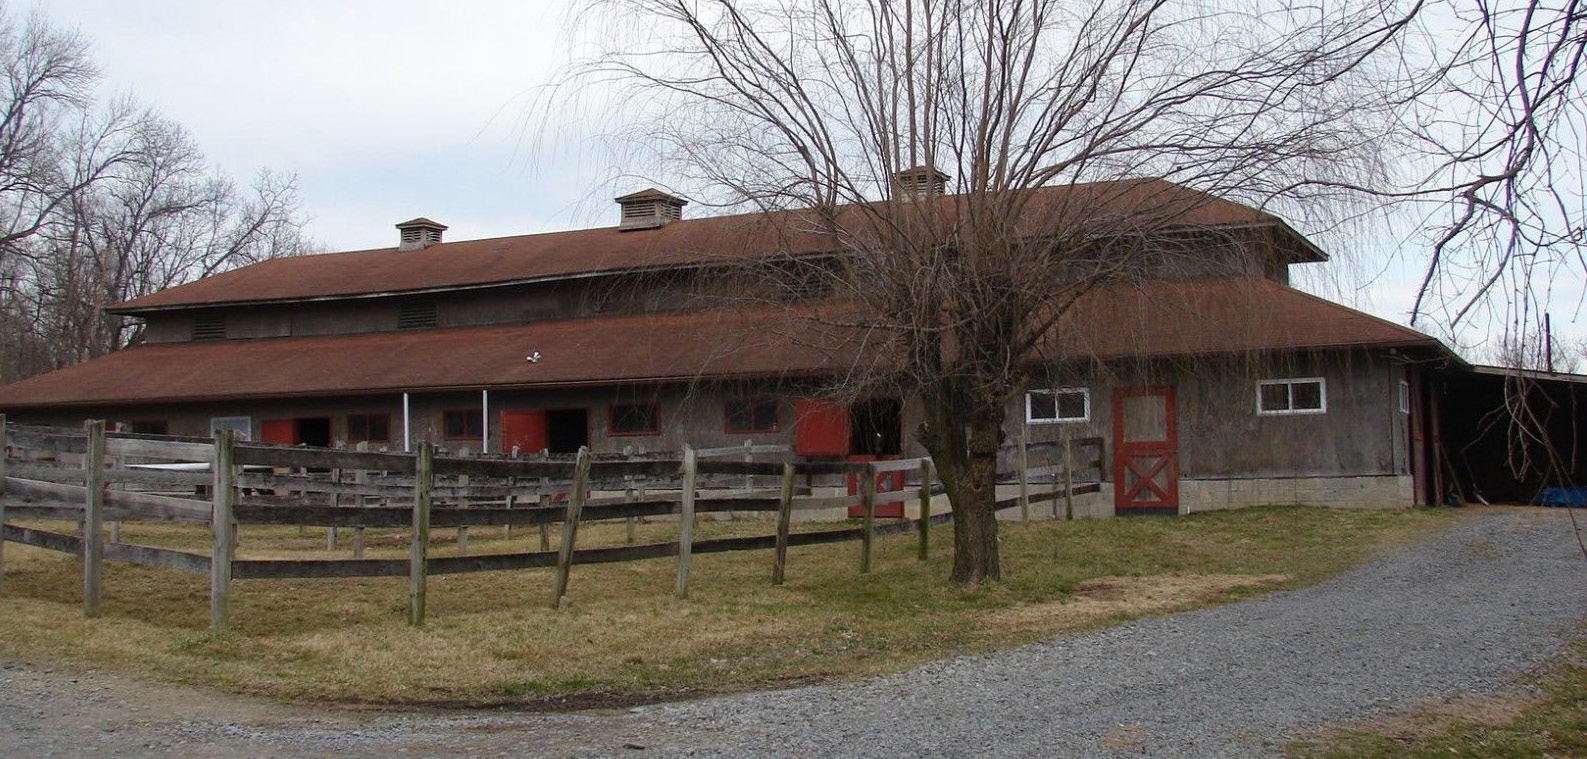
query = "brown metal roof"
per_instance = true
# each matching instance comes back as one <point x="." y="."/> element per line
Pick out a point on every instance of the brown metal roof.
<point x="528" y="258"/>
<point x="1214" y="316"/>
<point x="1161" y="319"/>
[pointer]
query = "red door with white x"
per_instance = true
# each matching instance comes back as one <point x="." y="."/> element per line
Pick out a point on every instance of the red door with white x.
<point x="1146" y="451"/>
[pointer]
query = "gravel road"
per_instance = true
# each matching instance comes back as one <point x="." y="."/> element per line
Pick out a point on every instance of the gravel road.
<point x="1463" y="612"/>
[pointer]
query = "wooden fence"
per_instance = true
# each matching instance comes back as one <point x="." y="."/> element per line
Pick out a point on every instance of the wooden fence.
<point x="63" y="475"/>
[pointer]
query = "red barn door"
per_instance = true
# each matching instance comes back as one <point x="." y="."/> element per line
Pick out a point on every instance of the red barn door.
<point x="1146" y="451"/>
<point x="525" y="430"/>
<point x="821" y="428"/>
<point x="279" y="431"/>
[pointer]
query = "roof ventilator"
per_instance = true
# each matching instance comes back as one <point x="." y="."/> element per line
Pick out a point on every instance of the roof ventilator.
<point x="649" y="209"/>
<point x="919" y="183"/>
<point x="420" y="233"/>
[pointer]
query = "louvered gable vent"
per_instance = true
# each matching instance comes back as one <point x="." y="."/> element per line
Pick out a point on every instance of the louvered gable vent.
<point x="416" y="315"/>
<point x="209" y="327"/>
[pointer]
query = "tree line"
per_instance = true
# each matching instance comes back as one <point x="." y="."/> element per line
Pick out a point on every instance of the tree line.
<point x="103" y="200"/>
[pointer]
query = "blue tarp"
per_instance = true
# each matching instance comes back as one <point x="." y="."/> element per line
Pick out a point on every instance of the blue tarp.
<point x="1575" y="498"/>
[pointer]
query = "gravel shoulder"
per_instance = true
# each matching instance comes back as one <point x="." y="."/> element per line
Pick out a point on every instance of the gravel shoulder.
<point x="1464" y="612"/>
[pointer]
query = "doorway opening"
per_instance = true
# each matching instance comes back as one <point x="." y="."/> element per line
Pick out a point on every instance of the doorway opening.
<point x="567" y="430"/>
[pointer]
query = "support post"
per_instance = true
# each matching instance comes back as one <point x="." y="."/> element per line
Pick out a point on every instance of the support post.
<point x="4" y="441"/>
<point x="359" y="477"/>
<point x="462" y="530"/>
<point x="545" y="528"/>
<point x="418" y="558"/>
<point x="570" y="528"/>
<point x="925" y="508"/>
<point x="686" y="520"/>
<point x="631" y="524"/>
<point x="1024" y="478"/>
<point x="1069" y="481"/>
<point x="336" y="500"/>
<point x="868" y="537"/>
<point x="94" y="517"/>
<point x="784" y="517"/>
<point x="223" y="494"/>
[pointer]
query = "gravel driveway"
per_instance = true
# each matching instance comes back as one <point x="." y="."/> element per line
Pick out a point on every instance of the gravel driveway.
<point x="1462" y="613"/>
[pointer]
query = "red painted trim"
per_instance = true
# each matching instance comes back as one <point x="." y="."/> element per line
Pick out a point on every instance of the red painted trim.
<point x="1162" y="456"/>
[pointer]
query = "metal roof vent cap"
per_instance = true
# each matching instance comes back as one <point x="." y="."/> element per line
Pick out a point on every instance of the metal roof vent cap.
<point x="418" y="234"/>
<point x="649" y="209"/>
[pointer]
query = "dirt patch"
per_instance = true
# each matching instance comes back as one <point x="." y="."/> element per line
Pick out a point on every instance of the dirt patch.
<point x="1108" y="597"/>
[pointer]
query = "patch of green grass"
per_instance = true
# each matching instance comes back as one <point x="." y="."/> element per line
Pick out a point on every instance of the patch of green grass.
<point x="493" y="638"/>
<point x="1552" y="724"/>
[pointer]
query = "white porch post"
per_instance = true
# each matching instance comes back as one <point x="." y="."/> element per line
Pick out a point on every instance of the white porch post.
<point x="407" y="426"/>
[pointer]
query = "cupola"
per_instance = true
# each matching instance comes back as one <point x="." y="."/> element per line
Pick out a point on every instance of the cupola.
<point x="418" y="234"/>
<point x="649" y="209"/>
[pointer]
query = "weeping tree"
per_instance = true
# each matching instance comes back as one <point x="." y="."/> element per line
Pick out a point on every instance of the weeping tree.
<point x="978" y="167"/>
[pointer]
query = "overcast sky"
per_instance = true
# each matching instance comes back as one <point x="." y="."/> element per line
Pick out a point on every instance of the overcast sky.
<point x="400" y="108"/>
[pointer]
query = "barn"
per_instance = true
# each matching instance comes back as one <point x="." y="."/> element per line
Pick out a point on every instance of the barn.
<point x="1216" y="387"/>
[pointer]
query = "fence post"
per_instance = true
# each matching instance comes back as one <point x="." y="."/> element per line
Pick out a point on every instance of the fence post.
<point x="1069" y="482"/>
<point x="868" y="489"/>
<point x="545" y="527"/>
<point x="360" y="476"/>
<point x="3" y="443"/>
<point x="418" y="558"/>
<point x="463" y="483"/>
<point x="1024" y="479"/>
<point x="94" y="517"/>
<point x="925" y="508"/>
<point x="686" y="520"/>
<point x="222" y="498"/>
<point x="336" y="501"/>
<point x="570" y="527"/>
<point x="784" y="516"/>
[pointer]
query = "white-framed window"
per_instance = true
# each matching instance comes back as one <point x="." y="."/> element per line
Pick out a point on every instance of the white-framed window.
<point x="1299" y="395"/>
<point x="1062" y="404"/>
<point x="1405" y="397"/>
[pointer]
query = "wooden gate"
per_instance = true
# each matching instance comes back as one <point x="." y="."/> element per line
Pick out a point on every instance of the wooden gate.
<point x="1146" y="451"/>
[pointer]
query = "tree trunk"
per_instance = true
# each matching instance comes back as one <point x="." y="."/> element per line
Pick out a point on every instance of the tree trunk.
<point x="966" y="459"/>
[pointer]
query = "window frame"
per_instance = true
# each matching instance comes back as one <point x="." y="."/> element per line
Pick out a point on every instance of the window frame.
<point x="1289" y="383"/>
<point x="1058" y="417"/>
<point x="1405" y="396"/>
<point x="750" y="404"/>
<point x="478" y="433"/>
<point x="367" y="417"/>
<point x="654" y="417"/>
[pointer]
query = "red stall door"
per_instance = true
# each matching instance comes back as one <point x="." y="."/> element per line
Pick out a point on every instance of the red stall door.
<point x="524" y="431"/>
<point x="821" y="428"/>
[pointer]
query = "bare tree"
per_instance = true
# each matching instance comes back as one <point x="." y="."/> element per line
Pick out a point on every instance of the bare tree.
<point x="103" y="202"/>
<point x="850" y="109"/>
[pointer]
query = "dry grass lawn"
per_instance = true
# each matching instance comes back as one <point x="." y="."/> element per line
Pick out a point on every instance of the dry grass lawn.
<point x="491" y="638"/>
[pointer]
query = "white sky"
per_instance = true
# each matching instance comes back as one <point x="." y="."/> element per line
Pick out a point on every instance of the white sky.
<point x="391" y="109"/>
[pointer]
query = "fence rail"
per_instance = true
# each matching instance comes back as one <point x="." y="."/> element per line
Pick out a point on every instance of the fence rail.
<point x="99" y="476"/>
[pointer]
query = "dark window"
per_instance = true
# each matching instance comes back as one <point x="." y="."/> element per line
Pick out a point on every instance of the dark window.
<point x="634" y="419"/>
<point x="150" y="427"/>
<point x="416" y="315"/>
<point x="760" y="415"/>
<point x="368" y="428"/>
<point x="463" y="425"/>
<point x="209" y="327"/>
